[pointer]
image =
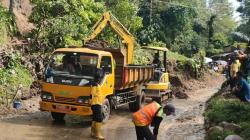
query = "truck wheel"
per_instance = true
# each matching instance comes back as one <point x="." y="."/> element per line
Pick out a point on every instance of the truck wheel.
<point x="135" y="106"/>
<point x="58" y="116"/>
<point x="106" y="110"/>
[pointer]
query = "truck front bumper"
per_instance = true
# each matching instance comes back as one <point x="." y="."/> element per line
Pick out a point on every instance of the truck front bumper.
<point x="65" y="108"/>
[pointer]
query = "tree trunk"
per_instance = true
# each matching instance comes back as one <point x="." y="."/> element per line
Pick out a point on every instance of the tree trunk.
<point x="11" y="6"/>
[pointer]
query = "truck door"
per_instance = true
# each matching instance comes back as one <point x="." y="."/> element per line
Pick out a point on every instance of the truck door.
<point x="107" y="67"/>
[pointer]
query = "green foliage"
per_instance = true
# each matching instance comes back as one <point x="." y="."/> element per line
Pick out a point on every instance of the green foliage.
<point x="176" y="56"/>
<point x="197" y="44"/>
<point x="126" y="11"/>
<point x="147" y="57"/>
<point x="219" y="40"/>
<point x="210" y="50"/>
<point x="15" y="73"/>
<point x="15" y="76"/>
<point x="218" y="135"/>
<point x="245" y="130"/>
<point x="64" y="22"/>
<point x="245" y="28"/>
<point x="7" y="25"/>
<point x="12" y="77"/>
<point x="153" y="32"/>
<point x="184" y="25"/>
<point x="229" y="110"/>
<point x="3" y="35"/>
<point x="193" y="66"/>
<point x="144" y="59"/>
<point x="215" y="135"/>
<point x="67" y="22"/>
<point x="244" y="9"/>
<point x="172" y="25"/>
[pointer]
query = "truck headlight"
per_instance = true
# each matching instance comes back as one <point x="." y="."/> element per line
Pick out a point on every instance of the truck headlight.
<point x="83" y="100"/>
<point x="49" y="97"/>
<point x="46" y="96"/>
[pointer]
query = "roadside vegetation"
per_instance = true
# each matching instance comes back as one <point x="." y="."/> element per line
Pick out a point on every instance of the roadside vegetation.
<point x="14" y="79"/>
<point x="13" y="76"/>
<point x="231" y="110"/>
<point x="225" y="107"/>
<point x="7" y="26"/>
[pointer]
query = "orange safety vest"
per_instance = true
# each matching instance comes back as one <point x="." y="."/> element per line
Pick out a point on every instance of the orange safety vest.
<point x="144" y="116"/>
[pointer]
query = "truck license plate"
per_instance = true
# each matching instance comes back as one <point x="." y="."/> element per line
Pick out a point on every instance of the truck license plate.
<point x="63" y="108"/>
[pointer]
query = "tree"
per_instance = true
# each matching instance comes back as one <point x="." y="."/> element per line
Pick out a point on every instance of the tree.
<point x="11" y="5"/>
<point x="210" y="25"/>
<point x="126" y="11"/>
<point x="221" y="25"/>
<point x="64" y="22"/>
<point x="245" y="15"/>
<point x="172" y="23"/>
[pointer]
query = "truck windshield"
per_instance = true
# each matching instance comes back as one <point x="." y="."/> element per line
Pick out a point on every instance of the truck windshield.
<point x="72" y="65"/>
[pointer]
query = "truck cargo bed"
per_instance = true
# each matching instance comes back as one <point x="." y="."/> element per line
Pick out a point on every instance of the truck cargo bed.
<point x="133" y="75"/>
<point x="127" y="76"/>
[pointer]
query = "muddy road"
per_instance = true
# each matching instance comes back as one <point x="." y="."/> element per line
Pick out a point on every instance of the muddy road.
<point x="36" y="125"/>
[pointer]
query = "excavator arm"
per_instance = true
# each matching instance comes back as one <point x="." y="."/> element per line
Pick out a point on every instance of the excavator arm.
<point x="109" y="20"/>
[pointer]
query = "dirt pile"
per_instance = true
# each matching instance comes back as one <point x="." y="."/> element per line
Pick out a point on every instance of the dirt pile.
<point x="36" y="65"/>
<point x="180" y="94"/>
<point x="97" y="44"/>
<point x="33" y="62"/>
<point x="22" y="10"/>
<point x="182" y="83"/>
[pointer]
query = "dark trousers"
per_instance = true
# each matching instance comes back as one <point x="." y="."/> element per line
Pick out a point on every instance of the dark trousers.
<point x="97" y="113"/>
<point x="144" y="133"/>
<point x="232" y="82"/>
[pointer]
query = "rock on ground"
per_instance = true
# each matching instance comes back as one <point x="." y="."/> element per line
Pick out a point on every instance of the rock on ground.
<point x="233" y="137"/>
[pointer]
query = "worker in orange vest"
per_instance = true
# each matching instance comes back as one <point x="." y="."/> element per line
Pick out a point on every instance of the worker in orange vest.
<point x="150" y="114"/>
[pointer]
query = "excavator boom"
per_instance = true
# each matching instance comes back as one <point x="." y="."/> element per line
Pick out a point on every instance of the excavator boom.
<point x="109" y="20"/>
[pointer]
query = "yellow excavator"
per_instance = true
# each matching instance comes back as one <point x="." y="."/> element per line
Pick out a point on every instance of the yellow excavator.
<point x="159" y="87"/>
<point x="110" y="20"/>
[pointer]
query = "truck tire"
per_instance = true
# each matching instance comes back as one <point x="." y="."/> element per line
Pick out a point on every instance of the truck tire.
<point x="106" y="110"/>
<point x="135" y="106"/>
<point x="58" y="116"/>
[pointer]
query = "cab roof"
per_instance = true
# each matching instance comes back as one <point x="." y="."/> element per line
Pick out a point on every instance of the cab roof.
<point x="83" y="50"/>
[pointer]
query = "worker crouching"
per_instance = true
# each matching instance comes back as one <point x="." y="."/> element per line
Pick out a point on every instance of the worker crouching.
<point x="96" y="106"/>
<point x="150" y="114"/>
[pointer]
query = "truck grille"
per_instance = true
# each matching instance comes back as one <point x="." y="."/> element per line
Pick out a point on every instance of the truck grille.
<point x="64" y="99"/>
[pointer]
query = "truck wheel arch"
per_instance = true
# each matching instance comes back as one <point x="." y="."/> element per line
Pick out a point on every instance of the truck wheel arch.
<point x="140" y="98"/>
